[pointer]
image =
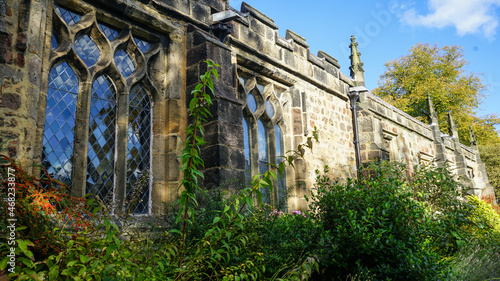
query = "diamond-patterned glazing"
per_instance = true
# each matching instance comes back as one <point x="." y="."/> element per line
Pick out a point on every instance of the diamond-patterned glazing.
<point x="124" y="63"/>
<point x="69" y="17"/>
<point x="87" y="50"/>
<point x="109" y="32"/>
<point x="139" y="145"/>
<point x="58" y="135"/>
<point x="142" y="45"/>
<point x="101" y="145"/>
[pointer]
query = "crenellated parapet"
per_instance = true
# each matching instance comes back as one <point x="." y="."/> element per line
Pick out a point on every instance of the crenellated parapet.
<point x="258" y="45"/>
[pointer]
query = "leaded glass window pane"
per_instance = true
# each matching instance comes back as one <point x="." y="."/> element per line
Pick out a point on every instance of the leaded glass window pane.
<point x="139" y="145"/>
<point x="279" y="153"/>
<point x="261" y="88"/>
<point x="263" y="154"/>
<point x="101" y="146"/>
<point x="54" y="42"/>
<point x="243" y="80"/>
<point x="246" y="140"/>
<point x="109" y="32"/>
<point x="68" y="16"/>
<point x="142" y="45"/>
<point x="58" y="135"/>
<point x="87" y="50"/>
<point x="252" y="103"/>
<point x="124" y="63"/>
<point x="269" y="108"/>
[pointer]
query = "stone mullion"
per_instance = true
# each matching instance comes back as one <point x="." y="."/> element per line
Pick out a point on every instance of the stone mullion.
<point x="81" y="133"/>
<point x="121" y="151"/>
<point x="254" y="146"/>
<point x="272" y="154"/>
<point x="44" y="83"/>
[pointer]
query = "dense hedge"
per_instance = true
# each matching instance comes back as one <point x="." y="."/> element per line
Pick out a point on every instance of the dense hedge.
<point x="385" y="225"/>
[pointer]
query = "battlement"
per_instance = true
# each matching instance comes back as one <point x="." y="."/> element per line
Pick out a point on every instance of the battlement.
<point x="256" y="34"/>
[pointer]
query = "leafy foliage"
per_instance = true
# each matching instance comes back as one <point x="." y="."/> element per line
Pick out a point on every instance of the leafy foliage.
<point x="440" y="73"/>
<point x="39" y="204"/>
<point x="491" y="158"/>
<point x="387" y="223"/>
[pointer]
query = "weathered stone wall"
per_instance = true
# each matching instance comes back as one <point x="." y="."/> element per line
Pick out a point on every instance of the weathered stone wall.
<point x="387" y="133"/>
<point x="314" y="93"/>
<point x="304" y="91"/>
<point x="22" y="41"/>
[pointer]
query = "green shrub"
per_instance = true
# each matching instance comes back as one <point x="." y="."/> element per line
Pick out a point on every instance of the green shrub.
<point x="387" y="223"/>
<point x="286" y="241"/>
<point x="479" y="255"/>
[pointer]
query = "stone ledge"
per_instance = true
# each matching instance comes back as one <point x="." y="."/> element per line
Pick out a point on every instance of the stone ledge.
<point x="329" y="58"/>
<point x="417" y="127"/>
<point x="467" y="148"/>
<point x="315" y="60"/>
<point x="200" y="37"/>
<point x="296" y="38"/>
<point x="346" y="79"/>
<point x="171" y="11"/>
<point x="229" y="15"/>
<point x="282" y="42"/>
<point x="245" y="8"/>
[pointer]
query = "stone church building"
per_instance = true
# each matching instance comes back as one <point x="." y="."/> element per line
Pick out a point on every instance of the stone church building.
<point x="97" y="90"/>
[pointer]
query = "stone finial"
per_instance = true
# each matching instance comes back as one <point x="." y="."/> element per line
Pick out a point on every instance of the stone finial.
<point x="452" y="128"/>
<point x="472" y="138"/>
<point x="433" y="118"/>
<point x="357" y="71"/>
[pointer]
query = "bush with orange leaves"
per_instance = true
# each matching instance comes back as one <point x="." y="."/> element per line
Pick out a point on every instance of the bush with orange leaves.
<point x="42" y="207"/>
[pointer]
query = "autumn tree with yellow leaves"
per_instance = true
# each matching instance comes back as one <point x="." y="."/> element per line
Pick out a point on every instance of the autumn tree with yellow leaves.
<point x="439" y="72"/>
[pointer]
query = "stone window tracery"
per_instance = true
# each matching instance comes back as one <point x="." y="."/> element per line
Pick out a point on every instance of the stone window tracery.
<point x="100" y="73"/>
<point x="262" y="132"/>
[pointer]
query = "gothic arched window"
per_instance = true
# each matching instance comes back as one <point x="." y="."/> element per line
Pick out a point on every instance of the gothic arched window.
<point x="262" y="134"/>
<point x="59" y="135"/>
<point x="101" y="79"/>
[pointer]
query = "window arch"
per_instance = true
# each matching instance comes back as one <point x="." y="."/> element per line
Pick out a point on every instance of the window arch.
<point x="100" y="81"/>
<point x="262" y="134"/>
<point x="102" y="136"/>
<point x="58" y="136"/>
<point x="139" y="148"/>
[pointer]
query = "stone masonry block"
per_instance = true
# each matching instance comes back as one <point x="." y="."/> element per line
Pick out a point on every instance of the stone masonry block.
<point x="296" y="98"/>
<point x="179" y="5"/>
<point x="218" y="132"/>
<point x="201" y="12"/>
<point x="11" y="101"/>
<point x="297" y="121"/>
<point x="218" y="5"/>
<point x="226" y="111"/>
<point x="225" y="177"/>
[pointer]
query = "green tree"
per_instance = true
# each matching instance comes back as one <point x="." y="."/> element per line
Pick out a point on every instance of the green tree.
<point x="439" y="72"/>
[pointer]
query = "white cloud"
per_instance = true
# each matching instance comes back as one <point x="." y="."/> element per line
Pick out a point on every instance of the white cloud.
<point x="467" y="16"/>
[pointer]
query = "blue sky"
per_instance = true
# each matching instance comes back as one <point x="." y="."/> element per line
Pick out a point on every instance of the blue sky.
<point x="386" y="30"/>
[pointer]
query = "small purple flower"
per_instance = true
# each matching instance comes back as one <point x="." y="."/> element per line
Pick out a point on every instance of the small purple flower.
<point x="298" y="212"/>
<point x="276" y="213"/>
